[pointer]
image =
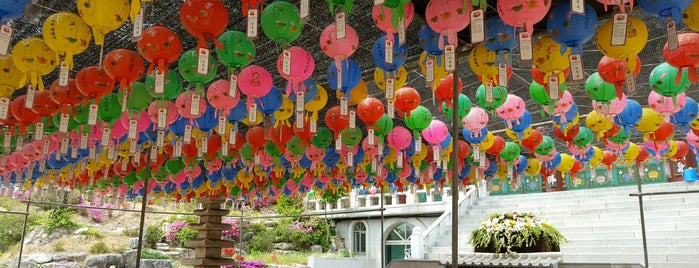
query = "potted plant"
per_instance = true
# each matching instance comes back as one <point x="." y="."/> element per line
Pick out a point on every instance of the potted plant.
<point x="516" y="232"/>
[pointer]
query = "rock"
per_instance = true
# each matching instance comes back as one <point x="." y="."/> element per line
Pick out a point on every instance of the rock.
<point x="105" y="261"/>
<point x="39" y="258"/>
<point x="173" y="254"/>
<point x="61" y="265"/>
<point x="80" y="231"/>
<point x="156" y="264"/>
<point x="283" y="246"/>
<point x="130" y="257"/>
<point x="283" y="252"/>
<point x="133" y="242"/>
<point x="297" y="265"/>
<point x="79" y="238"/>
<point x="28" y="264"/>
<point x="69" y="256"/>
<point x="120" y="230"/>
<point x="317" y="249"/>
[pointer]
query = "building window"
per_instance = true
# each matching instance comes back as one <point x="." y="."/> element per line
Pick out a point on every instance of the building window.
<point x="359" y="238"/>
<point x="397" y="243"/>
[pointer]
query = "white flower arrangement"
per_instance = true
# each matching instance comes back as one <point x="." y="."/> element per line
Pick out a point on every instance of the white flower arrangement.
<point x="512" y="232"/>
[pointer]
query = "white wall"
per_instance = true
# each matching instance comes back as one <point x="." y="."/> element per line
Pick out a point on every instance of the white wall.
<point x="375" y="236"/>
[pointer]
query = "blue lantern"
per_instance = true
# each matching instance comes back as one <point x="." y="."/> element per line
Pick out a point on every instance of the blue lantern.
<point x="571" y="29"/>
<point x="630" y="116"/>
<point x="12" y="9"/>
<point x="429" y="40"/>
<point x="208" y="120"/>
<point x="665" y="9"/>
<point x="351" y="74"/>
<point x="238" y="112"/>
<point x="400" y="55"/>
<point x="687" y="114"/>
<point x="500" y="38"/>
<point x="270" y="103"/>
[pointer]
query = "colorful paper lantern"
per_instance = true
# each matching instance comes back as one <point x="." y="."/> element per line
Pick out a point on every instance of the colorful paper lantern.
<point x="281" y="22"/>
<point x="35" y="59"/>
<point x="205" y="20"/>
<point x="160" y="46"/>
<point x="571" y="29"/>
<point x="103" y="16"/>
<point x="447" y="17"/>
<point x="523" y="13"/>
<point x="67" y="34"/>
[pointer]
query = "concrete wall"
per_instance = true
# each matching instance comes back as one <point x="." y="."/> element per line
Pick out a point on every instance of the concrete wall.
<point x="375" y="236"/>
<point x="317" y="262"/>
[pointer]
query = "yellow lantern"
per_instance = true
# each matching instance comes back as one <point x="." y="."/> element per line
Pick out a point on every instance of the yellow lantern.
<point x="35" y="59"/>
<point x="636" y="38"/>
<point x="284" y="112"/>
<point x="691" y="16"/>
<point x="258" y="119"/>
<point x="631" y="153"/>
<point x="533" y="166"/>
<point x="438" y="67"/>
<point x="566" y="164"/>
<point x="357" y="94"/>
<point x="136" y="8"/>
<point x="10" y="77"/>
<point x="650" y="121"/>
<point x="104" y="16"/>
<point x="317" y="103"/>
<point x="672" y="150"/>
<point x="598" y="123"/>
<point x="487" y="142"/>
<point x="483" y="62"/>
<point x="597" y="158"/>
<point x="547" y="56"/>
<point x="67" y="34"/>
<point x="400" y="77"/>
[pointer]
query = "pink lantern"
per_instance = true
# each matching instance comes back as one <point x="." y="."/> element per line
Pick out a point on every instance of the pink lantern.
<point x="255" y="82"/>
<point x="213" y="165"/>
<point x="620" y="3"/>
<point x="383" y="175"/>
<point x="546" y="158"/>
<point x="142" y="121"/>
<point x="523" y="13"/>
<point x="447" y="17"/>
<point x="184" y="103"/>
<point x="383" y="18"/>
<point x="315" y="154"/>
<point x="613" y="108"/>
<point x="301" y="68"/>
<point x="405" y="172"/>
<point x="192" y="172"/>
<point x="118" y="131"/>
<point x="561" y="106"/>
<point x="370" y="150"/>
<point x="339" y="49"/>
<point x="170" y="112"/>
<point x="218" y="95"/>
<point x="616" y="148"/>
<point x="656" y="147"/>
<point x="475" y="120"/>
<point x="512" y="109"/>
<point x="693" y="140"/>
<point x="666" y="106"/>
<point x="577" y="151"/>
<point x="399" y="138"/>
<point x="361" y="175"/>
<point x="436" y="132"/>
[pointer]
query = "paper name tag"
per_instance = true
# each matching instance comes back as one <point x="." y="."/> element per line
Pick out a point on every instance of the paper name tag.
<point x="93" y="152"/>
<point x="63" y="75"/>
<point x="5" y="39"/>
<point x="39" y="131"/>
<point x="338" y="143"/>
<point x="138" y="25"/>
<point x="630" y="83"/>
<point x="380" y="148"/>
<point x="577" y="6"/>
<point x="154" y="154"/>
<point x="111" y="152"/>
<point x="502" y="74"/>
<point x="340" y="25"/>
<point x="194" y="108"/>
<point x="343" y="106"/>
<point x="63" y="125"/>
<point x="350" y="159"/>
<point x="7" y="140"/>
<point x="232" y="137"/>
<point x="390" y="88"/>
<point x="391" y="109"/>
<point x="477" y="26"/>
<point x="314" y="126"/>
<point x="553" y="87"/>
<point x="204" y="145"/>
<point x="47" y="143"/>
<point x="233" y="87"/>
<point x="203" y="63"/>
<point x="525" y="46"/>
<point x="19" y="142"/>
<point x="300" y="100"/>
<point x="481" y="162"/>
<point x="489" y="92"/>
<point x="399" y="159"/>
<point x="304" y="9"/>
<point x="619" y="29"/>
<point x="29" y="101"/>
<point x="286" y="62"/>
<point x="252" y="113"/>
<point x="352" y="119"/>
<point x="187" y="134"/>
<point x="449" y="58"/>
<point x="401" y="31"/>
<point x="64" y="145"/>
<point x="162" y="118"/>
<point x="124" y="100"/>
<point x="224" y="148"/>
<point x="4" y="107"/>
<point x="672" y="41"/>
<point x="418" y="143"/>
<point x="436" y="153"/>
<point x="576" y="67"/>
<point x="299" y="120"/>
<point x="252" y="23"/>
<point x="476" y="152"/>
<point x="137" y="156"/>
<point x="178" y="149"/>
<point x="370" y="136"/>
<point x="509" y="171"/>
<point x="133" y="131"/>
<point x="388" y="52"/>
<point x="133" y="144"/>
<point x="159" y="82"/>
<point x="84" y="139"/>
<point x="221" y="125"/>
<point x="429" y="72"/>
<point x="374" y="165"/>
<point x="92" y="115"/>
<point x="160" y="140"/>
<point x="105" y="136"/>
<point x="379" y="2"/>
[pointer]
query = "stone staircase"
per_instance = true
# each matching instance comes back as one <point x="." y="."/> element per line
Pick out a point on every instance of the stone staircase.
<point x="601" y="225"/>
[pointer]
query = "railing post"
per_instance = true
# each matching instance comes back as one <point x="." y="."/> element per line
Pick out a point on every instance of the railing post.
<point x="417" y="245"/>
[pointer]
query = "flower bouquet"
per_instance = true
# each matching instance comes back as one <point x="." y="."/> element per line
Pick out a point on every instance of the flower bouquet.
<point x="515" y="232"/>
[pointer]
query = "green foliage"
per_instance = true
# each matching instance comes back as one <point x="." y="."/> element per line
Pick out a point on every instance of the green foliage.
<point x="11" y="225"/>
<point x="190" y="219"/>
<point x="92" y="233"/>
<point x="58" y="246"/>
<point x="346" y="253"/>
<point x="153" y="235"/>
<point x="262" y="240"/>
<point x="289" y="205"/>
<point x="99" y="247"/>
<point x="130" y="232"/>
<point x="59" y="218"/>
<point x="511" y="232"/>
<point x="331" y="196"/>
<point x="185" y="234"/>
<point x="304" y="233"/>
<point x="149" y="254"/>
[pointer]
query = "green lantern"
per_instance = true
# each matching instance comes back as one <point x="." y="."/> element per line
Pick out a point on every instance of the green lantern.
<point x="174" y="165"/>
<point x="109" y="109"/>
<point x="323" y="138"/>
<point x="383" y="126"/>
<point x="272" y="150"/>
<point x="188" y="65"/>
<point x="584" y="137"/>
<point x="173" y="86"/>
<point x="295" y="146"/>
<point x="464" y="107"/>
<point x="139" y="99"/>
<point x="419" y="119"/>
<point x="351" y="136"/>
<point x="599" y="90"/>
<point x="540" y="94"/>
<point x="81" y="113"/>
<point x="246" y="152"/>
<point x="346" y="5"/>
<point x="281" y="22"/>
<point x="668" y="81"/>
<point x="130" y="179"/>
<point x="510" y="152"/>
<point x="621" y="137"/>
<point x="499" y="97"/>
<point x="546" y="146"/>
<point x="238" y="51"/>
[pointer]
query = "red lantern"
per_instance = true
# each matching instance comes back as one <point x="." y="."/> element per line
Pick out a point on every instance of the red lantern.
<point x="445" y="89"/>
<point x="685" y="56"/>
<point x="643" y="154"/>
<point x="609" y="158"/>
<point x="281" y="134"/>
<point x="335" y="120"/>
<point x="541" y="78"/>
<point x="407" y="99"/>
<point x="370" y="110"/>
<point x="23" y="115"/>
<point x="256" y="137"/>
<point x="534" y="139"/>
<point x="464" y="149"/>
<point x="613" y="71"/>
<point x="497" y="147"/>
<point x="239" y="142"/>
<point x="566" y="135"/>
<point x="682" y="150"/>
<point x="205" y="20"/>
<point x="577" y="167"/>
<point x="66" y="95"/>
<point x="160" y="46"/>
<point x="254" y="4"/>
<point x="612" y="131"/>
<point x="664" y="132"/>
<point x="124" y="66"/>
<point x="44" y="104"/>
<point x="94" y="82"/>
<point x="304" y="133"/>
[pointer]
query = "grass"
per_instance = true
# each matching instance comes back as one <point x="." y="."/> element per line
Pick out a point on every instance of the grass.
<point x="286" y="259"/>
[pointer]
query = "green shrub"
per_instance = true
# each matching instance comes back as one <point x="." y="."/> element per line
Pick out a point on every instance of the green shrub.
<point x="130" y="232"/>
<point x="261" y="239"/>
<point x="190" y="219"/>
<point x="149" y="254"/>
<point x="59" y="218"/>
<point x="99" y="247"/>
<point x="185" y="234"/>
<point x="58" y="246"/>
<point x="92" y="233"/>
<point x="153" y="235"/>
<point x="289" y="205"/>
<point x="11" y="231"/>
